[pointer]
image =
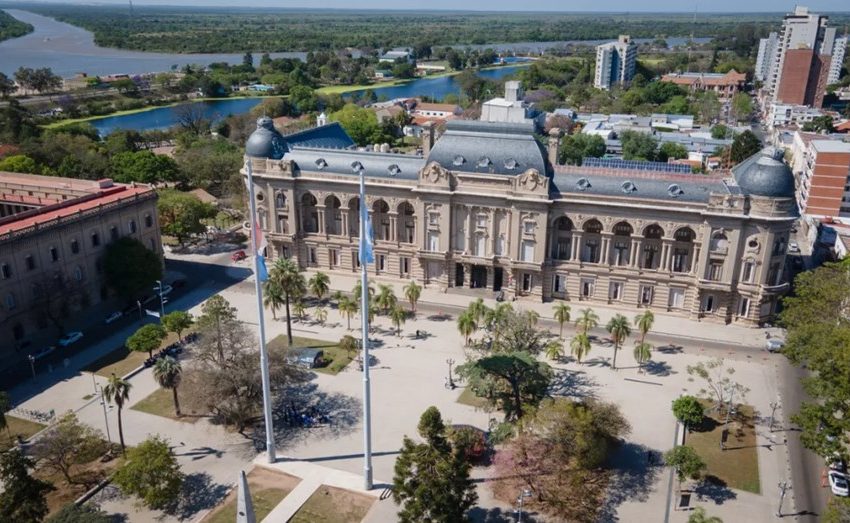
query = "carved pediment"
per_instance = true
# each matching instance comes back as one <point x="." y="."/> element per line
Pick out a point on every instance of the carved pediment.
<point x="434" y="174"/>
<point x="532" y="181"/>
<point x="285" y="167"/>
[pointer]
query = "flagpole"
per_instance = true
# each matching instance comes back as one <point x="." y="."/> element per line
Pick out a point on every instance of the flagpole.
<point x="364" y="324"/>
<point x="261" y="324"/>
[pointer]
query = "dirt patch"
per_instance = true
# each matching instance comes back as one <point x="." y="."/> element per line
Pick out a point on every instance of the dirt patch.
<point x="268" y="488"/>
<point x="333" y="505"/>
<point x="85" y="475"/>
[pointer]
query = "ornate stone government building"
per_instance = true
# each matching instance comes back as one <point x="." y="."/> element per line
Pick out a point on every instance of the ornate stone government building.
<point x="486" y="208"/>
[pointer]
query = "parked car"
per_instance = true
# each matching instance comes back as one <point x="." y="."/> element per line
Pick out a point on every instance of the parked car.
<point x="836" y="463"/>
<point x="774" y="345"/>
<point x="40" y="353"/>
<point x="238" y="256"/>
<point x="793" y="247"/>
<point x="179" y="283"/>
<point x="69" y="338"/>
<point x="838" y="484"/>
<point x="113" y="317"/>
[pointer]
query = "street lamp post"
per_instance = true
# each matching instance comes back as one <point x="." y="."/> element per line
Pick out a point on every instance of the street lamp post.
<point x="526" y="493"/>
<point x="773" y="407"/>
<point x="783" y="487"/>
<point x="451" y="362"/>
<point x="726" y="423"/>
<point x="32" y="364"/>
<point x="158" y="290"/>
<point x="105" y="418"/>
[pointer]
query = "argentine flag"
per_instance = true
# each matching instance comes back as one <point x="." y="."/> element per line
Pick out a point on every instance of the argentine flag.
<point x="262" y="272"/>
<point x="367" y="241"/>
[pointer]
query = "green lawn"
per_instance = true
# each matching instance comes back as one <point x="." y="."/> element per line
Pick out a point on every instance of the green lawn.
<point x="467" y="397"/>
<point x="268" y="488"/>
<point x="336" y="359"/>
<point x="161" y="403"/>
<point x="17" y="427"/>
<point x="121" y="361"/>
<point x="738" y="465"/>
<point x="333" y="505"/>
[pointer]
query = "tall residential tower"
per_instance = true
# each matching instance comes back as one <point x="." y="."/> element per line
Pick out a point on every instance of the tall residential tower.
<point x="615" y="63"/>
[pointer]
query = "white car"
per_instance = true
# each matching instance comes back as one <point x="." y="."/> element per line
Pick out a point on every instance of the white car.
<point x="838" y="484"/>
<point x="112" y="317"/>
<point x="69" y="338"/>
<point x="774" y="345"/>
<point x="793" y="247"/>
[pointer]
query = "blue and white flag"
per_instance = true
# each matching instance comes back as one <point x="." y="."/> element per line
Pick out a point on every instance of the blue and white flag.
<point x="367" y="241"/>
<point x="262" y="272"/>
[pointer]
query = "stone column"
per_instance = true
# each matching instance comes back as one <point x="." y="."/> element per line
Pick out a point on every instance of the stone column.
<point x="344" y="223"/>
<point x="320" y="210"/>
<point x="393" y="227"/>
<point x="606" y="249"/>
<point x="467" y="273"/>
<point x="575" y="255"/>
<point x="469" y="229"/>
<point x="694" y="259"/>
<point x="662" y="265"/>
<point x="490" y="274"/>
<point x="634" y="253"/>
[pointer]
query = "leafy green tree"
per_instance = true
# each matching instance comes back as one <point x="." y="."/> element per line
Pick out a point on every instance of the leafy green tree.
<point x="466" y="325"/>
<point x="349" y="344"/>
<point x="580" y="346"/>
<point x="576" y="147"/>
<point x="319" y="284"/>
<point x="212" y="165"/>
<point x="167" y="372"/>
<point x="699" y="516"/>
<point x="180" y="214"/>
<point x="303" y="98"/>
<point x="177" y="322"/>
<point x="144" y="167"/>
<point x="562" y="316"/>
<point x="152" y="473"/>
<point x="686" y="461"/>
<point x="512" y="381"/>
<point x="588" y="320"/>
<point x="643" y="349"/>
<point x="638" y="146"/>
<point x="273" y="297"/>
<point x="676" y="105"/>
<point x="720" y="131"/>
<point x="477" y="310"/>
<point x="398" y="316"/>
<point x="837" y="511"/>
<point x="5" y="405"/>
<point x="117" y="391"/>
<point x="707" y="106"/>
<point x="287" y="275"/>
<point x="386" y="298"/>
<point x="688" y="410"/>
<point x="19" y="163"/>
<point x="361" y="125"/>
<point x="348" y="308"/>
<point x="73" y="513"/>
<point x="412" y="291"/>
<point x="23" y="498"/>
<point x="431" y="480"/>
<point x="66" y="444"/>
<point x="818" y="334"/>
<point x="147" y="338"/>
<point x="7" y="86"/>
<point x="718" y="380"/>
<point x="673" y="150"/>
<point x="619" y="328"/>
<point x="321" y="315"/>
<point x="742" y="106"/>
<point x="820" y="124"/>
<point x="554" y="349"/>
<point x="744" y="145"/>
<point x="130" y="267"/>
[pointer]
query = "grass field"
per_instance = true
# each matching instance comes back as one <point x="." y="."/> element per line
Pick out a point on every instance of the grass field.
<point x="121" y="361"/>
<point x="737" y="467"/>
<point x="161" y="403"/>
<point x="17" y="427"/>
<point x="467" y="397"/>
<point x="336" y="358"/>
<point x="333" y="505"/>
<point x="267" y="488"/>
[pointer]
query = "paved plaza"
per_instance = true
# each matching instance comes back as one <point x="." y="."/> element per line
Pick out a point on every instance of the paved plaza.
<point x="409" y="375"/>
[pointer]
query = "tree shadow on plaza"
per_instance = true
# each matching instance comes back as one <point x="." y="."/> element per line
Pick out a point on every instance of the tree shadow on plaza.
<point x="714" y="489"/>
<point x="669" y="349"/>
<point x="440" y="317"/>
<point x="658" y="368"/>
<point x="198" y="492"/>
<point x="632" y="477"/>
<point x="572" y="384"/>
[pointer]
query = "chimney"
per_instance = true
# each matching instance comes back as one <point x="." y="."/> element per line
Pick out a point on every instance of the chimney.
<point x="427" y="138"/>
<point x="554" y="145"/>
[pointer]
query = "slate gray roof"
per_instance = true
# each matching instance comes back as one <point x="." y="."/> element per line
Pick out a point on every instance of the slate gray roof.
<point x="671" y="188"/>
<point x="488" y="148"/>
<point x="331" y="135"/>
<point x="339" y="161"/>
<point x="765" y="174"/>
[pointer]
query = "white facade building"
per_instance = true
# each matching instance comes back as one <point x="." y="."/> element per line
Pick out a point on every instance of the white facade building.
<point x="839" y="48"/>
<point x="767" y="51"/>
<point x="511" y="108"/>
<point x="615" y="63"/>
<point x="781" y="115"/>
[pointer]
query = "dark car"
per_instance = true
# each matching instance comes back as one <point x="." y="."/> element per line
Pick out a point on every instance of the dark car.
<point x="238" y="256"/>
<point x="179" y="283"/>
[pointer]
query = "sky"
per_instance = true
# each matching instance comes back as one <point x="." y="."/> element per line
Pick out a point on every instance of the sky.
<point x="514" y="5"/>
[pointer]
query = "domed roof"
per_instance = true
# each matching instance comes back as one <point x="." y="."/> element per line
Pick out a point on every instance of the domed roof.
<point x="765" y="174"/>
<point x="266" y="141"/>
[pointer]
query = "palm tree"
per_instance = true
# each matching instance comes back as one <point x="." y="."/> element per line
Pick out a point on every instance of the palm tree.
<point x="554" y="350"/>
<point x="533" y="317"/>
<point x="398" y="316"/>
<point x="466" y="325"/>
<point x="478" y="311"/>
<point x="357" y="291"/>
<point x="580" y="346"/>
<point x="348" y="308"/>
<point x="643" y="353"/>
<point x="619" y="328"/>
<point x="587" y="320"/>
<point x="412" y="292"/>
<point x="273" y="297"/>
<point x="496" y="316"/>
<point x="321" y="315"/>
<point x="320" y="284"/>
<point x="299" y="309"/>
<point x="385" y="299"/>
<point x="167" y="372"/>
<point x="373" y="311"/>
<point x="286" y="274"/>
<point x="348" y="344"/>
<point x="117" y="391"/>
<point x="562" y="316"/>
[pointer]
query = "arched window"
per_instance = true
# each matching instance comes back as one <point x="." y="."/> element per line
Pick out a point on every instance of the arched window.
<point x="719" y="242"/>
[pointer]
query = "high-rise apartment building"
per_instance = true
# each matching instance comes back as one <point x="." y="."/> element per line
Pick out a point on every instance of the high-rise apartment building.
<point x="767" y="50"/>
<point x="838" y="50"/>
<point x="615" y="63"/>
<point x="800" y="67"/>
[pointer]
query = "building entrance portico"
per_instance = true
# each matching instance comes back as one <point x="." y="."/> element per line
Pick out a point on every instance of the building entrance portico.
<point x="478" y="277"/>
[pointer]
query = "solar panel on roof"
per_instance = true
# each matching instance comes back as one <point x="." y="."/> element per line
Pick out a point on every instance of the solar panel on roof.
<point x="637" y="165"/>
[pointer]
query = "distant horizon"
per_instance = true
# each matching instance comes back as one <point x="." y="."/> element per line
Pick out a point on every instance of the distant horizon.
<point x="482" y="6"/>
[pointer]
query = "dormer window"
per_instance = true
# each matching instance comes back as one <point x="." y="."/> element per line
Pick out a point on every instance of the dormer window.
<point x="583" y="184"/>
<point x="510" y="164"/>
<point x="321" y="163"/>
<point x="484" y="162"/>
<point x="628" y="187"/>
<point x="393" y="169"/>
<point x="459" y="160"/>
<point x="356" y="166"/>
<point x="674" y="190"/>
